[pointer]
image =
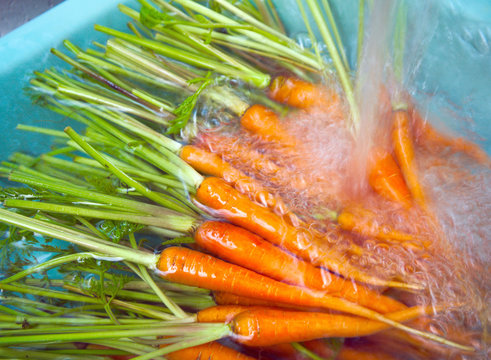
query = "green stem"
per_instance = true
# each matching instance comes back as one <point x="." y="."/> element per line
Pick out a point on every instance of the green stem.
<point x="143" y="190"/>
<point x="338" y="63"/>
<point x="131" y="205"/>
<point x="47" y="265"/>
<point x="290" y="49"/>
<point x="41" y="355"/>
<point x="335" y="31"/>
<point x="171" y="305"/>
<point x="81" y="239"/>
<point x="103" y="100"/>
<point x="213" y="335"/>
<point x="217" y="331"/>
<point x="257" y="79"/>
<point x="48" y="293"/>
<point x="99" y="214"/>
<point x="304" y="351"/>
<point x="361" y="30"/>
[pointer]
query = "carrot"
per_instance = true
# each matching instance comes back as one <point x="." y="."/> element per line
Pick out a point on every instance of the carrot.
<point x="212" y="164"/>
<point x="190" y="267"/>
<point x="320" y="347"/>
<point x="361" y="221"/>
<point x="304" y="95"/>
<point x="265" y="327"/>
<point x="226" y="298"/>
<point x="220" y="313"/>
<point x="239" y="210"/>
<point x="404" y="152"/>
<point x="349" y="353"/>
<point x="209" y="351"/>
<point x="429" y="137"/>
<point x="264" y="122"/>
<point x="241" y="247"/>
<point x="385" y="177"/>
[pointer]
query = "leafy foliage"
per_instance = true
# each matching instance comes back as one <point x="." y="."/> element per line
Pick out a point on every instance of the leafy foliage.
<point x="117" y="230"/>
<point x="184" y="111"/>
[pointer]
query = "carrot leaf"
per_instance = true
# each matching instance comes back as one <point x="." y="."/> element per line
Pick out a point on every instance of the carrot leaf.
<point x="184" y="111"/>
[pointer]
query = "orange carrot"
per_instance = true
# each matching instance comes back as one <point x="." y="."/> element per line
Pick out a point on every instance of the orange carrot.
<point x="226" y="298"/>
<point x="264" y="122"/>
<point x="429" y="137"/>
<point x="190" y="267"/>
<point x="240" y="152"/>
<point x="221" y="313"/>
<point x="211" y="164"/>
<point x="363" y="222"/>
<point x="385" y="177"/>
<point x="349" y="353"/>
<point x="319" y="347"/>
<point x="241" y="247"/>
<point x="265" y="327"/>
<point x="304" y="95"/>
<point x="239" y="210"/>
<point x="209" y="351"/>
<point x="404" y="153"/>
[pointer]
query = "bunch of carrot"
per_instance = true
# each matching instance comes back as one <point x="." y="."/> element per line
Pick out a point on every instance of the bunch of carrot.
<point x="282" y="240"/>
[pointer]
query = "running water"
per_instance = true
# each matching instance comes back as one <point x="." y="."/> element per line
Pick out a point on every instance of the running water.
<point x="449" y="253"/>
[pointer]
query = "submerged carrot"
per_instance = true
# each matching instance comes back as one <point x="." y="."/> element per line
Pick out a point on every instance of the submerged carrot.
<point x="209" y="351"/>
<point x="349" y="353"/>
<point x="190" y="267"/>
<point x="239" y="210"/>
<point x="212" y="164"/>
<point x="264" y="122"/>
<point x="241" y="247"/>
<point x="385" y="177"/>
<point x="404" y="152"/>
<point x="226" y="298"/>
<point x="264" y="327"/>
<point x="303" y="94"/>
<point x="361" y="221"/>
<point x="429" y="137"/>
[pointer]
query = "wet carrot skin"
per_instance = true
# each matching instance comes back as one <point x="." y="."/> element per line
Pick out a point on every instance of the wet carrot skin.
<point x="221" y="313"/>
<point x="302" y="94"/>
<point x="264" y="122"/>
<point x="404" y="152"/>
<point x="226" y="202"/>
<point x="212" y="164"/>
<point x="385" y="177"/>
<point x="209" y="351"/>
<point x="241" y="247"/>
<point x="265" y="327"/>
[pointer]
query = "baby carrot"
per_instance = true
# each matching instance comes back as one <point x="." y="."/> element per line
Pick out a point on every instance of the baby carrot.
<point x="209" y="351"/>
<point x="239" y="210"/>
<point x="211" y="164"/>
<point x="404" y="152"/>
<point x="221" y="313"/>
<point x="361" y="221"/>
<point x="226" y="298"/>
<point x="430" y="138"/>
<point x="264" y="122"/>
<point x="241" y="247"/>
<point x="265" y="327"/>
<point x="303" y="95"/>
<point x="385" y="177"/>
<point x="348" y="353"/>
<point x="190" y="267"/>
